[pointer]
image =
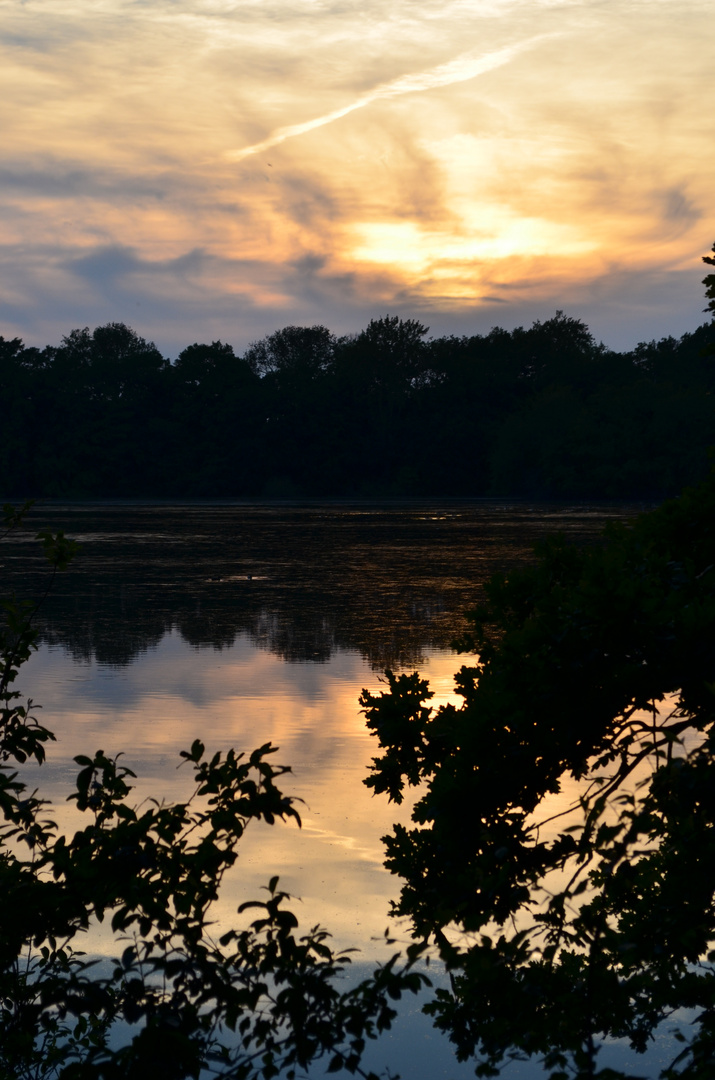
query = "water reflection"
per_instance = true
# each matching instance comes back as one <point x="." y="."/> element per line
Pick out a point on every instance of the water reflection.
<point x="248" y="624"/>
<point x="252" y="624"/>
<point x="242" y="697"/>
<point x="386" y="582"/>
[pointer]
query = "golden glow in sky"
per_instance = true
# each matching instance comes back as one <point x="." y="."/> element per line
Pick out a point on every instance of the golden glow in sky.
<point x="206" y="168"/>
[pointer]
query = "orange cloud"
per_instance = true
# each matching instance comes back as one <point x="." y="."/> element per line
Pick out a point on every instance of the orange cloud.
<point x="535" y="153"/>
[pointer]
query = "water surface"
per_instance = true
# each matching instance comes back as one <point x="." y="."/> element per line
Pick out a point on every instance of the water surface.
<point x="246" y="624"/>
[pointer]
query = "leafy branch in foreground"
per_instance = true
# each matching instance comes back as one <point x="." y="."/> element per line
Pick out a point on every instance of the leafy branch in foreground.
<point x="563" y="848"/>
<point x="260" y="1001"/>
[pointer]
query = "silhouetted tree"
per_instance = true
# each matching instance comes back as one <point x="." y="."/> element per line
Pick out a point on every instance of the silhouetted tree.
<point x="294" y="364"/>
<point x="380" y="373"/>
<point x="104" y="431"/>
<point x="218" y="422"/>
<point x="560" y="351"/>
<point x="205" y="367"/>
<point x="709" y="283"/>
<point x="303" y="352"/>
<point x="26" y="404"/>
<point x="562" y="922"/>
<point x="543" y="411"/>
<point x="111" y="363"/>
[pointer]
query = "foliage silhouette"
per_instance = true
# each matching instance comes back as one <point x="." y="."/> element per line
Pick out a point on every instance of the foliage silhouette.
<point x="175" y="1003"/>
<point x="709" y="283"/>
<point x="566" y="919"/>
<point x="303" y="352"/>
<point x="543" y="411"/>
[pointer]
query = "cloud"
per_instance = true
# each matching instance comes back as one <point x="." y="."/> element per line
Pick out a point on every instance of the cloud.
<point x="576" y="163"/>
<point x="462" y="68"/>
<point x="105" y="266"/>
<point x="679" y="207"/>
<point x="201" y="297"/>
<point x="59" y="179"/>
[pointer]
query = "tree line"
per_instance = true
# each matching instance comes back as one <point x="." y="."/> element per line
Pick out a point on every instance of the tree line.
<point x="540" y="412"/>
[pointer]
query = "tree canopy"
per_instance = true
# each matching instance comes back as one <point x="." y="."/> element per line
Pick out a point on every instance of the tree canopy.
<point x="543" y="411"/>
<point x="709" y="283"/>
<point x="562" y="852"/>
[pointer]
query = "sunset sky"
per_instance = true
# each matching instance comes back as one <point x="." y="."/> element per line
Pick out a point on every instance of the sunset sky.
<point x="206" y="169"/>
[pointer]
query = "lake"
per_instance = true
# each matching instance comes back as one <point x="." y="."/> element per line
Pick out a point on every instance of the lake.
<point x="248" y="623"/>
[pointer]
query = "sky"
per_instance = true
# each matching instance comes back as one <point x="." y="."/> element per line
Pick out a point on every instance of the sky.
<point x="219" y="169"/>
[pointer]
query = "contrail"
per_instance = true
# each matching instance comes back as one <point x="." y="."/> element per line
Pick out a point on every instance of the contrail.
<point x="461" y="69"/>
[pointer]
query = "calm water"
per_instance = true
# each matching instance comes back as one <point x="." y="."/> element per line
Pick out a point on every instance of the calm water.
<point x="247" y="624"/>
